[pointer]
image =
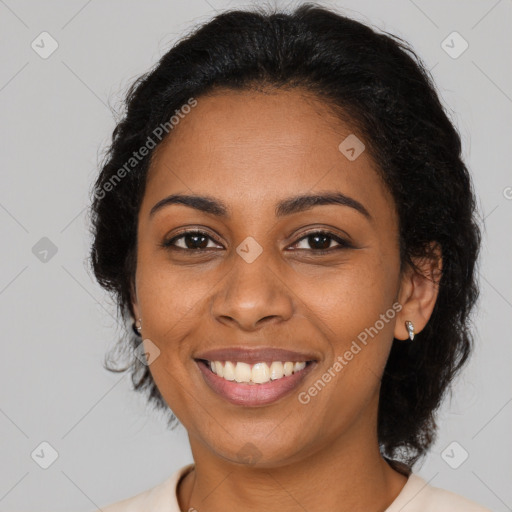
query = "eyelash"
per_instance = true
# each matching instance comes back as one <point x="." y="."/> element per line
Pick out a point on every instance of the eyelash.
<point x="343" y="244"/>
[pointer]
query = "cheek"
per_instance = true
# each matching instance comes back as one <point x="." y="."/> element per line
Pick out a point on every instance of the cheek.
<point x="353" y="309"/>
<point x="170" y="297"/>
<point x="352" y="297"/>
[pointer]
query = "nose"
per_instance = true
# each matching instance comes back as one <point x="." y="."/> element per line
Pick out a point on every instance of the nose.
<point x="252" y="295"/>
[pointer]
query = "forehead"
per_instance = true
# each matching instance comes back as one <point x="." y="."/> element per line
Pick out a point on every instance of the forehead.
<point x="252" y="146"/>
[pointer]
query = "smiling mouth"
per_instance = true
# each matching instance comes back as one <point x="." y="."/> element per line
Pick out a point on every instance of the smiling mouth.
<point x="253" y="374"/>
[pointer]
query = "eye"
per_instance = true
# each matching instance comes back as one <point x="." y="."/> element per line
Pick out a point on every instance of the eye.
<point x="191" y="240"/>
<point x="320" y="241"/>
<point x="197" y="241"/>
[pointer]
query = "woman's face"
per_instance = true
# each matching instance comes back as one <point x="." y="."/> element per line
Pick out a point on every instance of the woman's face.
<point x="258" y="279"/>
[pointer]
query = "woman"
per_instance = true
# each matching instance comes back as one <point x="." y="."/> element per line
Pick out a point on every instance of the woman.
<point x="285" y="218"/>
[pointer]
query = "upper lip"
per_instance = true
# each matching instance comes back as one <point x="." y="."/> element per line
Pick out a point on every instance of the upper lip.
<point x="255" y="355"/>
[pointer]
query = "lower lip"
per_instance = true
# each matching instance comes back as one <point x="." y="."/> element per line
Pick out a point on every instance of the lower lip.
<point x="240" y="393"/>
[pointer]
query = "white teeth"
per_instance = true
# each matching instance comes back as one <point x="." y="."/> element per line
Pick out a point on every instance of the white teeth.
<point x="299" y="366"/>
<point x="288" y="368"/>
<point x="229" y="370"/>
<point x="276" y="370"/>
<point x="219" y="370"/>
<point x="259" y="373"/>
<point x="242" y="372"/>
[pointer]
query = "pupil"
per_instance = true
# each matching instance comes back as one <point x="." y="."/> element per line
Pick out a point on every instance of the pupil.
<point x="195" y="241"/>
<point x="313" y="239"/>
<point x="326" y="239"/>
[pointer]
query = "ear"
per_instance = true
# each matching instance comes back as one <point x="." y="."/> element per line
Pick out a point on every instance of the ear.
<point x="418" y="292"/>
<point x="134" y="300"/>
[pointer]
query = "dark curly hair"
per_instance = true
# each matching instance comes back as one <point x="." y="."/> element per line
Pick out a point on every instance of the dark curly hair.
<point x="375" y="82"/>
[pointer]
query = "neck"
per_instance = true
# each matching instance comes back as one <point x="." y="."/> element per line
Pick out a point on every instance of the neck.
<point x="347" y="474"/>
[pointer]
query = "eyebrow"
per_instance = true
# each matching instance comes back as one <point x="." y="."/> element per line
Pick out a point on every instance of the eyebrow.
<point x="285" y="207"/>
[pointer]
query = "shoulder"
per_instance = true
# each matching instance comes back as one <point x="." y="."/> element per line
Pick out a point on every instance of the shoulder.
<point x="160" y="498"/>
<point x="144" y="500"/>
<point x="419" y="496"/>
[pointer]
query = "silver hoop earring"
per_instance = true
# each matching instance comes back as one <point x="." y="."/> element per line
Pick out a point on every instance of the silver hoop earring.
<point x="137" y="326"/>
<point x="410" y="329"/>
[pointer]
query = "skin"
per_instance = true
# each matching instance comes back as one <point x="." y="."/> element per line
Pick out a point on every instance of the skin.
<point x="250" y="150"/>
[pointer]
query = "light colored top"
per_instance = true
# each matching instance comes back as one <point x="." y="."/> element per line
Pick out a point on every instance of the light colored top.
<point x="416" y="496"/>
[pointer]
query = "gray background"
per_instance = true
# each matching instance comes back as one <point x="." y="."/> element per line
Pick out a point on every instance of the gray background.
<point x="57" y="323"/>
